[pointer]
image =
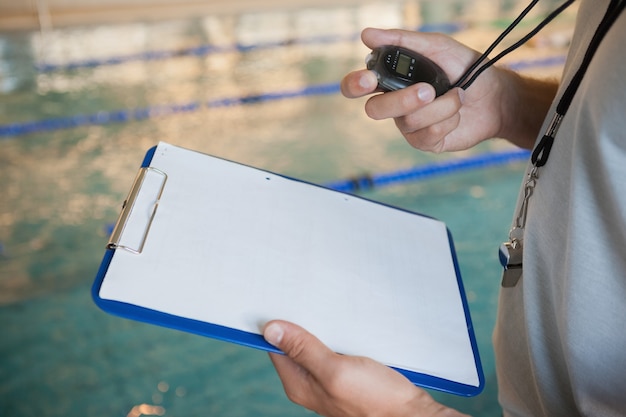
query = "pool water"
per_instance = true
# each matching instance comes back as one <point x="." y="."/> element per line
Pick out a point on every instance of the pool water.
<point x="79" y="107"/>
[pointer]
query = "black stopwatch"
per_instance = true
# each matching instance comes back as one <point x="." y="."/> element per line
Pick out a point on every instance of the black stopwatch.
<point x="397" y="68"/>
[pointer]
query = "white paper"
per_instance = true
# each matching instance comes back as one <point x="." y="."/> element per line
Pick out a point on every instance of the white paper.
<point x="237" y="246"/>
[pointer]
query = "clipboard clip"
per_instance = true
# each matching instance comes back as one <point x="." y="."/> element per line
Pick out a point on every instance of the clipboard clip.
<point x="138" y="211"/>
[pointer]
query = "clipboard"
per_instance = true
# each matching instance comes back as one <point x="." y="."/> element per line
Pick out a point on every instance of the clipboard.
<point x="217" y="248"/>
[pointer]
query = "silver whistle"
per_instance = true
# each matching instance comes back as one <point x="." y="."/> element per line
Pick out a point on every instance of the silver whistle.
<point x="511" y="259"/>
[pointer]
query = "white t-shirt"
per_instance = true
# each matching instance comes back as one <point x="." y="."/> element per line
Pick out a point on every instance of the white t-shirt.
<point x="560" y="337"/>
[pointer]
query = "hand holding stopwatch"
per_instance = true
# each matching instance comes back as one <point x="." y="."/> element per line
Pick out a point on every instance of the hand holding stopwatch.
<point x="397" y="68"/>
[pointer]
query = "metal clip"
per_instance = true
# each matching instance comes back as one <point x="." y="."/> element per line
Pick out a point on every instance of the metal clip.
<point x="529" y="187"/>
<point x="149" y="203"/>
<point x="511" y="252"/>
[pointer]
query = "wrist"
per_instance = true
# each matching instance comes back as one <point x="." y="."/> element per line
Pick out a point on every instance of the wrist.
<point x="423" y="405"/>
<point x="524" y="104"/>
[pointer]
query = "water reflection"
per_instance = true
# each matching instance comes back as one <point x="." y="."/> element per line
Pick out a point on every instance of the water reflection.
<point x="60" y="187"/>
<point x="74" y="177"/>
<point x="146" y="410"/>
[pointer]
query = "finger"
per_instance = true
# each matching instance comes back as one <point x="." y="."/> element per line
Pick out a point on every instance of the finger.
<point x="445" y="107"/>
<point x="358" y="84"/>
<point x="301" y="347"/>
<point x="429" y="128"/>
<point x="400" y="103"/>
<point x="295" y="379"/>
<point x="434" y="138"/>
<point x="286" y="367"/>
<point x="425" y="43"/>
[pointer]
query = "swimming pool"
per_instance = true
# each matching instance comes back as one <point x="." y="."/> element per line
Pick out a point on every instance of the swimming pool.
<point x="79" y="108"/>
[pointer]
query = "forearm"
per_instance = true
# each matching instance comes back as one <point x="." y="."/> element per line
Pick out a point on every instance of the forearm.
<point x="525" y="103"/>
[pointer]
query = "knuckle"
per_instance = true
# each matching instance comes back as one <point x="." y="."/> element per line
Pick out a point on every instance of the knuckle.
<point x="425" y="141"/>
<point x="435" y="132"/>
<point x="408" y="101"/>
<point x="408" y="125"/>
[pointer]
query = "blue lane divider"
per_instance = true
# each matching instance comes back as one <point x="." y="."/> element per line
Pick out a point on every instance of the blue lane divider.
<point x="198" y="51"/>
<point x="127" y="115"/>
<point x="204" y="50"/>
<point x="311" y="90"/>
<point x="435" y="169"/>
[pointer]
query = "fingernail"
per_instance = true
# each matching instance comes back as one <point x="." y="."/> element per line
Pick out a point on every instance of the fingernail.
<point x="273" y="334"/>
<point x="368" y="81"/>
<point x="426" y="93"/>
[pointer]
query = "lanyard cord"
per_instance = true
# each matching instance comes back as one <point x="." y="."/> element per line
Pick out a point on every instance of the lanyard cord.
<point x="475" y="69"/>
<point x="511" y="252"/>
<point x="542" y="151"/>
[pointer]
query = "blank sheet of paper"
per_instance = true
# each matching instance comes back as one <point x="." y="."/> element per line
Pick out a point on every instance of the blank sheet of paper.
<point x="237" y="246"/>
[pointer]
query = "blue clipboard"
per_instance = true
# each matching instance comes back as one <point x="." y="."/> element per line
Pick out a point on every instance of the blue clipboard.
<point x="184" y="280"/>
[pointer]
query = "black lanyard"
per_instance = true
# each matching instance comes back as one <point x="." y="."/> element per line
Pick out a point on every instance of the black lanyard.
<point x="542" y="151"/>
<point x="511" y="252"/>
<point x="470" y="75"/>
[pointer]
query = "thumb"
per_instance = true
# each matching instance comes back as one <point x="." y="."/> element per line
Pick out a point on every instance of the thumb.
<point x="299" y="345"/>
